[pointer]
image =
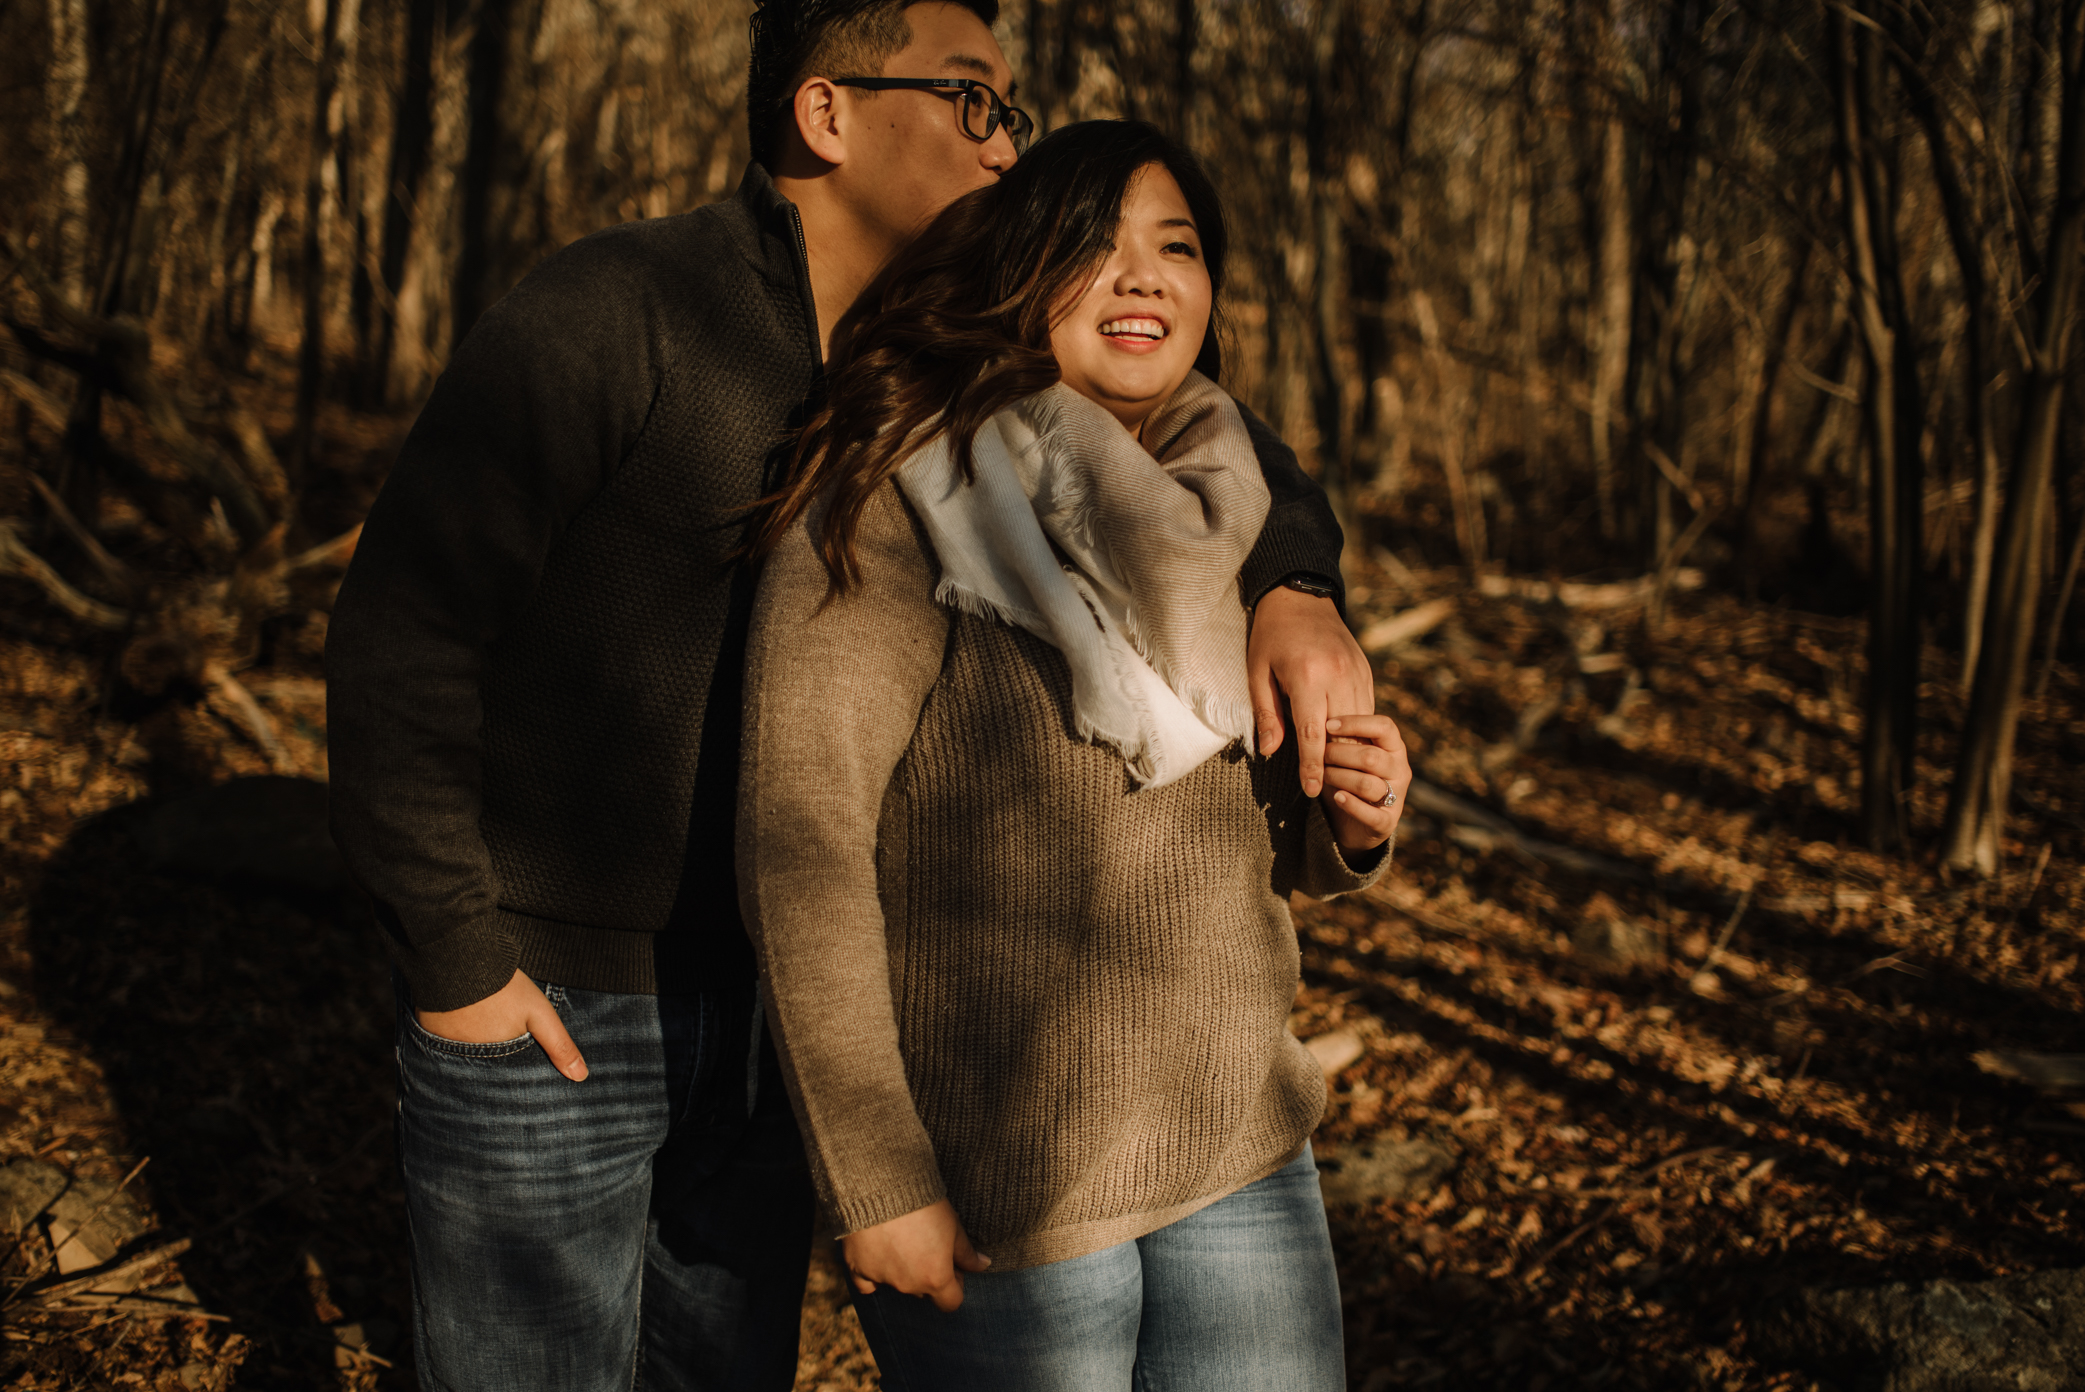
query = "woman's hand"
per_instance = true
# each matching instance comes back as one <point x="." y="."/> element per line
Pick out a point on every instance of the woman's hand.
<point x="1364" y="758"/>
<point x="924" y="1253"/>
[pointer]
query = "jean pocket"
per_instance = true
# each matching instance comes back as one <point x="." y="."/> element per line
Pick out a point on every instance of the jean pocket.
<point x="433" y="1043"/>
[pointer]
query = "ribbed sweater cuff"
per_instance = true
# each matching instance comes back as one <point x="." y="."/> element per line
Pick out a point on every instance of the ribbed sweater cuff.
<point x="1277" y="558"/>
<point x="870" y="1209"/>
<point x="1330" y="870"/>
<point x="460" y="968"/>
<point x="631" y="962"/>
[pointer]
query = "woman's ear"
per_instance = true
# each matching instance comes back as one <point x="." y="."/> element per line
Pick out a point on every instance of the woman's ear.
<point x="818" y="120"/>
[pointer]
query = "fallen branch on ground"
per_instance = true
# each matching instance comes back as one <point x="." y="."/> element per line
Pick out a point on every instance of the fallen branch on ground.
<point x="18" y="560"/>
<point x="2056" y="1072"/>
<point x="116" y="575"/>
<point x="1437" y="802"/>
<point x="1413" y="623"/>
<point x="1572" y="595"/>
<point x="92" y="1218"/>
<point x="239" y="704"/>
<point x="86" y="1281"/>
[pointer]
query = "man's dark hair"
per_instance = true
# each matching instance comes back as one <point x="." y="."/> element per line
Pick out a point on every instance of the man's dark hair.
<point x="796" y="39"/>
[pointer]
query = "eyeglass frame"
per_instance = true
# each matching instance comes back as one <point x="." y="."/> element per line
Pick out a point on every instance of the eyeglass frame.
<point x="995" y="119"/>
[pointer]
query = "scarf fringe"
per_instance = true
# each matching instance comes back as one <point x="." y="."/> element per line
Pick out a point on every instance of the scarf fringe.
<point x="964" y="600"/>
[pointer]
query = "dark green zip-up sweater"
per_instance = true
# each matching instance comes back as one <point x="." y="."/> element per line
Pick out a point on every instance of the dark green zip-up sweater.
<point x="534" y="665"/>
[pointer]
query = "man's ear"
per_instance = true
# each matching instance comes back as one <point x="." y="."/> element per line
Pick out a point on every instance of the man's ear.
<point x="818" y="120"/>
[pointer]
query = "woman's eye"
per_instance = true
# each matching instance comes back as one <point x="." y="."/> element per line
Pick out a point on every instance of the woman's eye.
<point x="1181" y="248"/>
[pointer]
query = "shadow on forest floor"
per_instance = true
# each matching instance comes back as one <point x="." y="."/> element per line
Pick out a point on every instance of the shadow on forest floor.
<point x="243" y="1033"/>
<point x="1642" y="1159"/>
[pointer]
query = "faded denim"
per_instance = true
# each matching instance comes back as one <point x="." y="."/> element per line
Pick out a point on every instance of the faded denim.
<point x="1241" y="1296"/>
<point x="636" y="1229"/>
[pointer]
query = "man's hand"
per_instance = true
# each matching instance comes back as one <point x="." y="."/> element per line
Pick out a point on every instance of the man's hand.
<point x="925" y="1253"/>
<point x="1365" y="758"/>
<point x="517" y="1008"/>
<point x="1300" y="648"/>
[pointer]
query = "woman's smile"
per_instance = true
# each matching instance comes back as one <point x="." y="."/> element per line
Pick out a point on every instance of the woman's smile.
<point x="1136" y="335"/>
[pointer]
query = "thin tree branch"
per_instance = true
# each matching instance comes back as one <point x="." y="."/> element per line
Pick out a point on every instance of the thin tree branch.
<point x="18" y="560"/>
<point x="116" y="575"/>
<point x="41" y="403"/>
<point x="247" y="712"/>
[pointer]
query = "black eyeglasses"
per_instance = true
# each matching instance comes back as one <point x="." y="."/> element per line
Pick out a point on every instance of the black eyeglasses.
<point x="983" y="112"/>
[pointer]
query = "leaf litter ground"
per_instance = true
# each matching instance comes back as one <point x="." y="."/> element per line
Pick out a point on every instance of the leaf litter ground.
<point x="1778" y="1092"/>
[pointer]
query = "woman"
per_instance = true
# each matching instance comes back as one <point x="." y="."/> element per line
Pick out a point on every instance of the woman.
<point x="1018" y="889"/>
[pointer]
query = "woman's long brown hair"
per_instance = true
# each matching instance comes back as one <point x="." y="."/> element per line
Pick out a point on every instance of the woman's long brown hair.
<point x="961" y="328"/>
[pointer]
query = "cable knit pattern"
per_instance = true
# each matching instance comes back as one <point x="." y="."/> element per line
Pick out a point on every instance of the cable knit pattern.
<point x="994" y="972"/>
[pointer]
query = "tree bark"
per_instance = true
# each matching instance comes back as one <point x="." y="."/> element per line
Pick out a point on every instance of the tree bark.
<point x="1655" y="393"/>
<point x="2061" y="609"/>
<point x="1969" y="260"/>
<point x="412" y="141"/>
<point x="1892" y="417"/>
<point x="488" y="70"/>
<point x="1614" y="287"/>
<point x="65" y="89"/>
<point x="1758" y="445"/>
<point x="320" y="188"/>
<point x="1184" y="35"/>
<point x="1330" y="293"/>
<point x="1983" y="769"/>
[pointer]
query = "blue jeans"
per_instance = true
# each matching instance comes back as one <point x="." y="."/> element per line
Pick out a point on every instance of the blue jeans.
<point x="1241" y="1296"/>
<point x="639" y="1228"/>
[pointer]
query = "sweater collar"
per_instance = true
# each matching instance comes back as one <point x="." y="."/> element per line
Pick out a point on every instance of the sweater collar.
<point x="772" y="213"/>
<point x="782" y="244"/>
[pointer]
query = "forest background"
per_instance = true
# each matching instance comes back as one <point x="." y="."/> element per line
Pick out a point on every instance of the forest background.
<point x="1744" y="326"/>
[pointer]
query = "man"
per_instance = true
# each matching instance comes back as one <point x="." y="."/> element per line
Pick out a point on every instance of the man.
<point x="534" y="676"/>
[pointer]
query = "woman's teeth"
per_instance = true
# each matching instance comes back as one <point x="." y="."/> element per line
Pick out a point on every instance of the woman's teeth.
<point x="1134" y="328"/>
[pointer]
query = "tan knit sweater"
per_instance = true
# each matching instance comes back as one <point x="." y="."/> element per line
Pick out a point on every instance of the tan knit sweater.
<point x="994" y="974"/>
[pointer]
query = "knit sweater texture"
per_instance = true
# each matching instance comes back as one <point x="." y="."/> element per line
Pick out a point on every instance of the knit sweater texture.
<point x="534" y="663"/>
<point x="994" y="973"/>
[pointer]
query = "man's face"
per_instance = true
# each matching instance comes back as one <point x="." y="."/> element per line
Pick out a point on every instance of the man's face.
<point x="907" y="155"/>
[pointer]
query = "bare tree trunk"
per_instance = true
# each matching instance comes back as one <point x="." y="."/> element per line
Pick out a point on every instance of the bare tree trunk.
<point x="1611" y="337"/>
<point x="1983" y="770"/>
<point x="350" y="198"/>
<point x="1184" y="32"/>
<point x="65" y="88"/>
<point x="412" y="142"/>
<point x="1656" y="395"/>
<point x="1330" y="291"/>
<point x="1969" y="261"/>
<point x="153" y="135"/>
<point x="1451" y="438"/>
<point x="2061" y="609"/>
<point x="1759" y="444"/>
<point x="488" y="70"/>
<point x="318" y="219"/>
<point x="1329" y="304"/>
<point x="1990" y="487"/>
<point x="1892" y="417"/>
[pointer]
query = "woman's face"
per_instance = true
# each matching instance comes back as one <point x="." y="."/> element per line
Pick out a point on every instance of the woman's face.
<point x="1130" y="340"/>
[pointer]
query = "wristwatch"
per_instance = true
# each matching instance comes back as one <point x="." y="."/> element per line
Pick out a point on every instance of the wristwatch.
<point x="1304" y="582"/>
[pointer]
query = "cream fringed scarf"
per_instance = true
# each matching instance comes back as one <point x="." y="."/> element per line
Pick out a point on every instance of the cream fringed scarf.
<point x="1140" y="589"/>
